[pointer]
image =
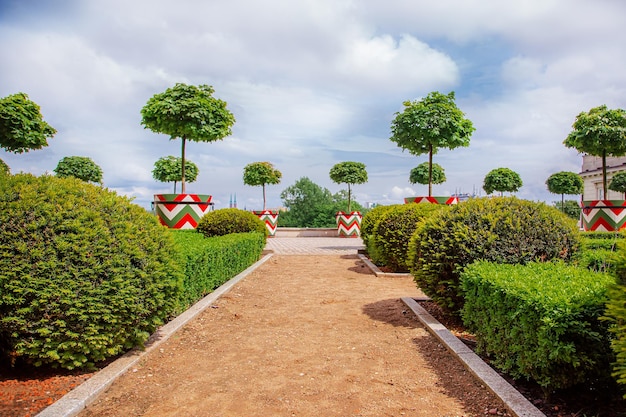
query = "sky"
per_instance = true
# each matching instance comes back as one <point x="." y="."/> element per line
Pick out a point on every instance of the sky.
<point x="312" y="83"/>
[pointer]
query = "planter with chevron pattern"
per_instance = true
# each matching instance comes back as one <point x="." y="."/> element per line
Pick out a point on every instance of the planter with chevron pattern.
<point x="604" y="215"/>
<point x="270" y="218"/>
<point x="181" y="211"/>
<point x="431" y="200"/>
<point x="349" y="225"/>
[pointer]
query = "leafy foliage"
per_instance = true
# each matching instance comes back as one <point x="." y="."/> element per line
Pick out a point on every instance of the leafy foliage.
<point x="349" y="173"/>
<point x="569" y="207"/>
<point x="502" y="179"/>
<point x="230" y="220"/>
<point x="618" y="183"/>
<point x="22" y="127"/>
<point x="540" y="321"/>
<point x="599" y="132"/>
<point x="427" y="125"/>
<point x="84" y="273"/>
<point x="368" y="225"/>
<point x="169" y="169"/>
<point x="501" y="229"/>
<point x="80" y="167"/>
<point x="261" y="173"/>
<point x="565" y="182"/>
<point x="4" y="168"/>
<point x="190" y="113"/>
<point x="616" y="314"/>
<point x="419" y="174"/>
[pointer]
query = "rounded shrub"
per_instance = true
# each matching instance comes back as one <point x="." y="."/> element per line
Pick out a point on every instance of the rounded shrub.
<point x="84" y="273"/>
<point x="230" y="220"/>
<point x="368" y="223"/>
<point x="503" y="230"/>
<point x="394" y="229"/>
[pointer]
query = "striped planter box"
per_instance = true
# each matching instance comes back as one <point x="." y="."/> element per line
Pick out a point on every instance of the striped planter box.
<point x="349" y="225"/>
<point x="604" y="215"/>
<point x="270" y="218"/>
<point x="181" y="211"/>
<point x="432" y="200"/>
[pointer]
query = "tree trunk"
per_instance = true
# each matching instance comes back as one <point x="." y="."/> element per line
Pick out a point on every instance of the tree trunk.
<point x="604" y="187"/>
<point x="182" y="169"/>
<point x="430" y="171"/>
<point x="264" y="197"/>
<point x="349" y="199"/>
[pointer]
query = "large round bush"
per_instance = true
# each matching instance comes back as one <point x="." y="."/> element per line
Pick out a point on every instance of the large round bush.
<point x="394" y="229"/>
<point x="502" y="229"/>
<point x="368" y="223"/>
<point x="84" y="273"/>
<point x="230" y="220"/>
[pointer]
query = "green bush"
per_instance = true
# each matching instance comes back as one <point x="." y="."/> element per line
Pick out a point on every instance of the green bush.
<point x="502" y="230"/>
<point x="616" y="314"/>
<point x="231" y="220"/>
<point x="84" y="273"/>
<point x="540" y="321"/>
<point x="394" y="229"/>
<point x="598" y="250"/>
<point x="368" y="224"/>
<point x="4" y="168"/>
<point x="210" y="262"/>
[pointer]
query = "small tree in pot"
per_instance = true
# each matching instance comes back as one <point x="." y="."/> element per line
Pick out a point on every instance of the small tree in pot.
<point x="169" y="169"/>
<point x="259" y="174"/>
<point x="618" y="183"/>
<point x="502" y="179"/>
<point x="22" y="127"/>
<point x="565" y="182"/>
<point x="349" y="173"/>
<point x="423" y="174"/>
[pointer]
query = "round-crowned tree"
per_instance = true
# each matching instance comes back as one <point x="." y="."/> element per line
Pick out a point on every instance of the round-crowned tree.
<point x="618" y="183"/>
<point x="349" y="173"/>
<point x="80" y="167"/>
<point x="259" y="174"/>
<point x="22" y="127"/>
<point x="423" y="174"/>
<point x="501" y="180"/>
<point x="565" y="182"/>
<point x="170" y="169"/>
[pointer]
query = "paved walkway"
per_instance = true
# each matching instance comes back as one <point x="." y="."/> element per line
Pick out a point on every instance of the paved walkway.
<point x="314" y="245"/>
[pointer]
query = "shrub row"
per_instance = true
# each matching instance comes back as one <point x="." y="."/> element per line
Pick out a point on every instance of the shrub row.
<point x="368" y="226"/>
<point x="540" y="321"/>
<point x="616" y="313"/>
<point x="231" y="220"/>
<point x="209" y="262"/>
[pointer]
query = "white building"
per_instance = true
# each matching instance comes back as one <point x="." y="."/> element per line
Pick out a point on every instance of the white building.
<point x="592" y="176"/>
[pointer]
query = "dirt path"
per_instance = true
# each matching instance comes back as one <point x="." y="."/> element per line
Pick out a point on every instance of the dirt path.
<point x="302" y="336"/>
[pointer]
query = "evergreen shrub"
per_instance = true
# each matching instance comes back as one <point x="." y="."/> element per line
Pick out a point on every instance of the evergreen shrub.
<point x="394" y="229"/>
<point x="598" y="250"/>
<point x="230" y="220"/>
<point x="540" y="321"/>
<point x="84" y="273"/>
<point x="501" y="229"/>
<point x="368" y="224"/>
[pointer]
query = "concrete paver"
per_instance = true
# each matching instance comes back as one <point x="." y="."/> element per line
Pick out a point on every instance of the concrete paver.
<point x="314" y="245"/>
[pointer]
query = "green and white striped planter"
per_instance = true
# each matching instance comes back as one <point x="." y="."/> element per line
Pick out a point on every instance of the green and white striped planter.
<point x="181" y="211"/>
<point x="270" y="218"/>
<point x="604" y="215"/>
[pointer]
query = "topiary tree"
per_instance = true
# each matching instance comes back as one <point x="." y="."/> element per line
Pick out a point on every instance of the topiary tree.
<point x="230" y="220"/>
<point x="502" y="230"/>
<point x="80" y="167"/>
<point x="85" y="274"/>
<point x="599" y="132"/>
<point x="423" y="174"/>
<point x="190" y="113"/>
<point x="169" y="169"/>
<point x="22" y="127"/>
<point x="618" y="183"/>
<point x="261" y="173"/>
<point x="432" y="123"/>
<point x="349" y="173"/>
<point x="565" y="182"/>
<point x="502" y="179"/>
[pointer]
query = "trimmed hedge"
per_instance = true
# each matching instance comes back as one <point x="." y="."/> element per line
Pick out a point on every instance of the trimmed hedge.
<point x="598" y="250"/>
<point x="540" y="321"/>
<point x="616" y="314"/>
<point x="84" y="273"/>
<point x="502" y="230"/>
<point x="230" y="220"/>
<point x="394" y="229"/>
<point x="368" y="225"/>
<point x="210" y="262"/>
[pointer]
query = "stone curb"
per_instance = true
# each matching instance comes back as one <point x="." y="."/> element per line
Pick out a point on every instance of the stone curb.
<point x="80" y="397"/>
<point x="380" y="273"/>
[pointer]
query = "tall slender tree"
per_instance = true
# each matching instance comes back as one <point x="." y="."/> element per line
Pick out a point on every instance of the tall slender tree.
<point x="349" y="173"/>
<point x="261" y="173"/>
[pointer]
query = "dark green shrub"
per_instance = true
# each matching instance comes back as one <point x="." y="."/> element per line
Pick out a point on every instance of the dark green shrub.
<point x="210" y="262"/>
<point x="84" y="273"/>
<point x="598" y="250"/>
<point x="394" y="229"/>
<point x="540" y="321"/>
<point x="502" y="230"/>
<point x="231" y="220"/>
<point x="368" y="224"/>
<point x="616" y="314"/>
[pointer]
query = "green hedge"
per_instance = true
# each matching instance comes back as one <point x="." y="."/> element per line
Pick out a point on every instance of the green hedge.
<point x="598" y="250"/>
<point x="368" y="225"/>
<point x="209" y="262"/>
<point x="230" y="220"/>
<point x="616" y="314"/>
<point x="84" y="273"/>
<point x="540" y="321"/>
<point x="502" y="230"/>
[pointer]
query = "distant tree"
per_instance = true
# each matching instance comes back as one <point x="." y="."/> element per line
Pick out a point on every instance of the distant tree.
<point x="349" y="173"/>
<point x="22" y="127"/>
<point x="190" y="113"/>
<point x="169" y="169"/>
<point x="432" y="123"/>
<point x="308" y="204"/>
<point x="80" y="167"/>
<point x="422" y="174"/>
<point x="570" y="207"/>
<point x="4" y="168"/>
<point x="502" y="179"/>
<point x="599" y="132"/>
<point x="565" y="182"/>
<point x="618" y="183"/>
<point x="261" y="173"/>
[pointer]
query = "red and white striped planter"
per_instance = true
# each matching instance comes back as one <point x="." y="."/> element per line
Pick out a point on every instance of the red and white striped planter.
<point x="349" y="225"/>
<point x="270" y="218"/>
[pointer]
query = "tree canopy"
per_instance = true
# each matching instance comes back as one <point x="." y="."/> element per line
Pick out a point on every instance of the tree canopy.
<point x="80" y="167"/>
<point x="22" y="127"/>
<point x="190" y="113"/>
<point x="349" y="173"/>
<point x="501" y="180"/>
<point x="565" y="182"/>
<point x="618" y="183"/>
<point x="259" y="174"/>
<point x="420" y="174"/>
<point x="599" y="132"/>
<point x="169" y="169"/>
<point x="427" y="125"/>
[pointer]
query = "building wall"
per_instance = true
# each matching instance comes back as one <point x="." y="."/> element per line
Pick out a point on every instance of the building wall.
<point x="592" y="176"/>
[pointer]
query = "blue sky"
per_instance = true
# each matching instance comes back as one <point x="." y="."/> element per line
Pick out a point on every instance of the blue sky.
<point x="312" y="83"/>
